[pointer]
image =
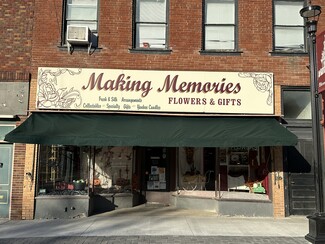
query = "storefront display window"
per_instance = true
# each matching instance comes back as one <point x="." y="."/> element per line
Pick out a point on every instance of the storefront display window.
<point x="191" y="169"/>
<point x="112" y="170"/>
<point x="63" y="170"/>
<point x="70" y="170"/>
<point x="238" y="169"/>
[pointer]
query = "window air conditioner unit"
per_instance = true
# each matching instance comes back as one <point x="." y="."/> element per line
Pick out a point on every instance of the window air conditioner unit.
<point x="78" y="35"/>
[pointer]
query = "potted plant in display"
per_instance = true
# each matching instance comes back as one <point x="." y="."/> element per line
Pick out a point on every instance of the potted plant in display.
<point x="79" y="185"/>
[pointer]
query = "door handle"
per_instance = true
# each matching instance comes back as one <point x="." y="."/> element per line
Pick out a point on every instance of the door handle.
<point x="292" y="182"/>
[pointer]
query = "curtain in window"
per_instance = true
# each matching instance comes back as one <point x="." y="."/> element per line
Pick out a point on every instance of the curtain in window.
<point x="289" y="26"/>
<point x="220" y="12"/>
<point x="220" y="24"/>
<point x="219" y="37"/>
<point x="151" y="11"/>
<point x="151" y="22"/>
<point x="82" y="12"/>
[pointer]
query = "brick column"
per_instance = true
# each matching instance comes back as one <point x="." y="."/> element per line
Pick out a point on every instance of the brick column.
<point x="277" y="183"/>
<point x="29" y="182"/>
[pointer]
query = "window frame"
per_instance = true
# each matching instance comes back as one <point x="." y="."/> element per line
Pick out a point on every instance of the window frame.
<point x="45" y="186"/>
<point x="135" y="33"/>
<point x="289" y="51"/>
<point x="235" y="50"/>
<point x="64" y="26"/>
<point x="294" y="89"/>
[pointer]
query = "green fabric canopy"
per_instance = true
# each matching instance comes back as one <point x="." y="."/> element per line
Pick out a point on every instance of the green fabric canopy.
<point x="83" y="129"/>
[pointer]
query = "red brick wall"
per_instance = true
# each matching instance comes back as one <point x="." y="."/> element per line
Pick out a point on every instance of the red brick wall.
<point x="16" y="25"/>
<point x="277" y="186"/>
<point x="115" y="39"/>
<point x="16" y="31"/>
<point x="29" y="182"/>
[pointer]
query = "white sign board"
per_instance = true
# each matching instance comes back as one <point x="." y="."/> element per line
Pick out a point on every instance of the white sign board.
<point x="155" y="91"/>
<point x="14" y="98"/>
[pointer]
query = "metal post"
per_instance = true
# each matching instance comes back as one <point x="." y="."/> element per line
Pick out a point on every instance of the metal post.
<point x="316" y="127"/>
<point x="316" y="221"/>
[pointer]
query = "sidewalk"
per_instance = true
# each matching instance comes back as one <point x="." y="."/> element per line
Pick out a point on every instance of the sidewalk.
<point x="150" y="223"/>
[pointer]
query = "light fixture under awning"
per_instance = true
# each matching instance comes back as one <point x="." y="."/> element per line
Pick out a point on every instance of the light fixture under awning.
<point x="145" y="130"/>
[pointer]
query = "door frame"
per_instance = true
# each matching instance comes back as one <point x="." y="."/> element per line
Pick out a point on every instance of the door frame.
<point x="10" y="174"/>
<point x="142" y="164"/>
<point x="303" y="131"/>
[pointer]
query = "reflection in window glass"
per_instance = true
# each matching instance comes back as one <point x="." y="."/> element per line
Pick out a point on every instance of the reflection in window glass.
<point x="219" y="37"/>
<point x="219" y="25"/>
<point x="288" y="26"/>
<point x="152" y="36"/>
<point x="296" y="104"/>
<point x="70" y="170"/>
<point x="63" y="170"/>
<point x="82" y="13"/>
<point x="151" y="24"/>
<point x="239" y="169"/>
<point x="112" y="171"/>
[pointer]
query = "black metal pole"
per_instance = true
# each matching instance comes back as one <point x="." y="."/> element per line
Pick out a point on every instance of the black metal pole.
<point x="316" y="127"/>
<point x="316" y="233"/>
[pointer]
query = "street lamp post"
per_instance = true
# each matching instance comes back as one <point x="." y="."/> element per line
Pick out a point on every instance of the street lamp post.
<point x="317" y="221"/>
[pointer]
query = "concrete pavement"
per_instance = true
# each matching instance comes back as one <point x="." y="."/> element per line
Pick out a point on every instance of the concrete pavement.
<point x="156" y="224"/>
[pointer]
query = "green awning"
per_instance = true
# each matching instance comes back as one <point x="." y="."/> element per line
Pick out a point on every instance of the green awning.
<point x="144" y="130"/>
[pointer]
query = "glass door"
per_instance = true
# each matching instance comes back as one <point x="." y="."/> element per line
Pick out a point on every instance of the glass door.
<point x="157" y="169"/>
<point x="5" y="178"/>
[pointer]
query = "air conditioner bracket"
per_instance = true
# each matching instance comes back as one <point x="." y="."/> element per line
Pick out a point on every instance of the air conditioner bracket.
<point x="70" y="47"/>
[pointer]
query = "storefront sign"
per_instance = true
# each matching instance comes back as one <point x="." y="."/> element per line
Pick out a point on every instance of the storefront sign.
<point x="155" y="91"/>
<point x="320" y="50"/>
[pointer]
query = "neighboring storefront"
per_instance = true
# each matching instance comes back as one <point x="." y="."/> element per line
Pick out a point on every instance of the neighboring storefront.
<point x="6" y="162"/>
<point x="111" y="138"/>
<point x="14" y="93"/>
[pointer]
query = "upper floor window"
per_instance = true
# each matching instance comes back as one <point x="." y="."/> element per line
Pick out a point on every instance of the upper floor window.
<point x="296" y="103"/>
<point x="219" y="32"/>
<point x="81" y="13"/>
<point x="288" y="26"/>
<point x="150" y="24"/>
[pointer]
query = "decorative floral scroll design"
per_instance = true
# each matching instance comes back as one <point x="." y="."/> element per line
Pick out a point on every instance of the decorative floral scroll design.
<point x="262" y="82"/>
<point x="49" y="96"/>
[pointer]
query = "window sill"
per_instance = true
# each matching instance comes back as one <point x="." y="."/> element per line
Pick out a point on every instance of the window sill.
<point x="288" y="53"/>
<point x="150" y="51"/>
<point x="221" y="52"/>
<point x="226" y="196"/>
<point x="85" y="196"/>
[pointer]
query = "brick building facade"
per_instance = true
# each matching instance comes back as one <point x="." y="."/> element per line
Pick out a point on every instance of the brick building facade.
<point x="15" y="62"/>
<point x="35" y="38"/>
